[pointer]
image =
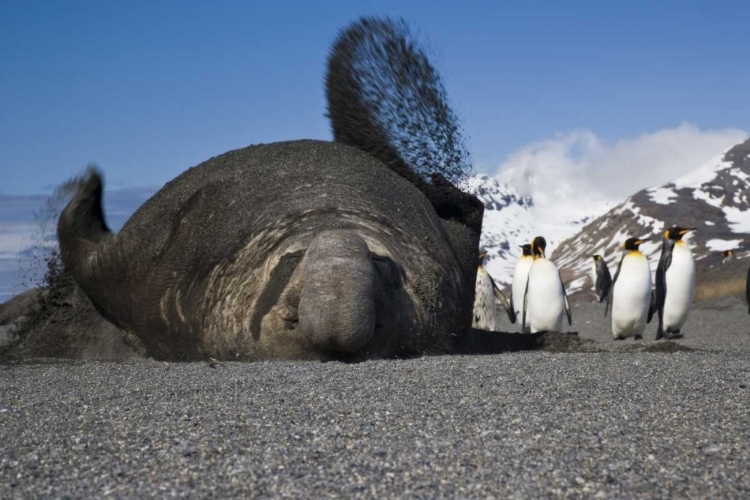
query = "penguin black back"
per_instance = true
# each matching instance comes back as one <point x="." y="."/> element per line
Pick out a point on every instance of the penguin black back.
<point x="603" y="278"/>
<point x="665" y="260"/>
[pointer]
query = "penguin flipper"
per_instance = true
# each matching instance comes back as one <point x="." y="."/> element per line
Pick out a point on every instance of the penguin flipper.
<point x="511" y="310"/>
<point x="665" y="260"/>
<point x="747" y="290"/>
<point x="606" y="280"/>
<point x="499" y="295"/>
<point x="651" y="307"/>
<point x="525" y="301"/>
<point x="567" y="302"/>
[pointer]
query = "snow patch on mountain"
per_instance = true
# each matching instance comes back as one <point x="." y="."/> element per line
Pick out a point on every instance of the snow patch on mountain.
<point x="665" y="196"/>
<point x="739" y="220"/>
<point x="721" y="245"/>
<point x="512" y="219"/>
<point x="712" y="198"/>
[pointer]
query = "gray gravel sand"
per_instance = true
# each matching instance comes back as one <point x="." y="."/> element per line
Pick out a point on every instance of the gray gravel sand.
<point x="622" y="420"/>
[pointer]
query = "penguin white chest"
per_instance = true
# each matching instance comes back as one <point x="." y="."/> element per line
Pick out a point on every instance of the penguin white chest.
<point x="593" y="273"/>
<point x="631" y="297"/>
<point x="484" y="302"/>
<point x="518" y="288"/>
<point x="680" y="281"/>
<point x="545" y="299"/>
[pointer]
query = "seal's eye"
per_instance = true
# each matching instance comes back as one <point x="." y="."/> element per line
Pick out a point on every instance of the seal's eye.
<point x="388" y="271"/>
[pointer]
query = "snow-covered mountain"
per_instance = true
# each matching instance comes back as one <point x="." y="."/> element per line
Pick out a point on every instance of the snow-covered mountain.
<point x="511" y="219"/>
<point x="712" y="198"/>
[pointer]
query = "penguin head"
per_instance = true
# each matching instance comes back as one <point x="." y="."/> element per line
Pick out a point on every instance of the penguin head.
<point x="727" y="256"/>
<point x="632" y="244"/>
<point x="482" y="255"/>
<point x="526" y="250"/>
<point x="538" y="245"/>
<point x="675" y="233"/>
<point x="596" y="258"/>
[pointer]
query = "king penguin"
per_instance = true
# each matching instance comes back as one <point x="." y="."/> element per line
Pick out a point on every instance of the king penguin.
<point x="675" y="283"/>
<point x="630" y="297"/>
<point x="486" y="293"/>
<point x="727" y="256"/>
<point x="601" y="276"/>
<point x="545" y="301"/>
<point x="747" y="290"/>
<point x="518" y="288"/>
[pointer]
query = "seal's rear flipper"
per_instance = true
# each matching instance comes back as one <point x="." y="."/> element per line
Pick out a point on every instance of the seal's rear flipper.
<point x="83" y="217"/>
<point x="386" y="98"/>
<point x="87" y="246"/>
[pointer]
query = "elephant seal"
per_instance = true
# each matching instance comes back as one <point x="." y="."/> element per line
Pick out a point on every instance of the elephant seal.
<point x="290" y="249"/>
<point x="302" y="249"/>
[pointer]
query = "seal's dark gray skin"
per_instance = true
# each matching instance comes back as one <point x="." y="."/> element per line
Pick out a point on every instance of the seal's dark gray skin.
<point x="304" y="249"/>
<point x="359" y="248"/>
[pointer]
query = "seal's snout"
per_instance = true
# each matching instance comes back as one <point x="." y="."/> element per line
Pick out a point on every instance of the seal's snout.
<point x="337" y="302"/>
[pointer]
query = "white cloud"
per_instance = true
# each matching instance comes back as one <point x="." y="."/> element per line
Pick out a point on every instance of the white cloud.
<point x="578" y="167"/>
<point x="14" y="238"/>
<point x="21" y="229"/>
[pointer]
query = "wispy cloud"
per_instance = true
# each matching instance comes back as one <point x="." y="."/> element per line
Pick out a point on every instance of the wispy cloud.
<point x="22" y="237"/>
<point x="580" y="167"/>
<point x="14" y="237"/>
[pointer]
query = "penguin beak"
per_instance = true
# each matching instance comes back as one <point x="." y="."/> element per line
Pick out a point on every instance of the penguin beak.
<point x="687" y="230"/>
<point x="638" y="242"/>
<point x="481" y="255"/>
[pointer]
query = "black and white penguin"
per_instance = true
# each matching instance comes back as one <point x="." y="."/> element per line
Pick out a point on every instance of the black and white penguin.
<point x="518" y="288"/>
<point x="675" y="283"/>
<point x="747" y="290"/>
<point x="486" y="295"/>
<point x="545" y="300"/>
<point x="630" y="297"/>
<point x="727" y="256"/>
<point x="602" y="278"/>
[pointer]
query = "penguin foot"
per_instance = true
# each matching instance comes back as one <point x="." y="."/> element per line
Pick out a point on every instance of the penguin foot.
<point x="638" y="337"/>
<point x="671" y="335"/>
<point x="619" y="338"/>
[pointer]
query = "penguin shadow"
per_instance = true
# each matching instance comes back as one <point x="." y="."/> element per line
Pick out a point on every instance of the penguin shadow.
<point x="483" y="342"/>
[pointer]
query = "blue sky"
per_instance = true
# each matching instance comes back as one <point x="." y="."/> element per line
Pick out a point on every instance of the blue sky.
<point x="148" y="89"/>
